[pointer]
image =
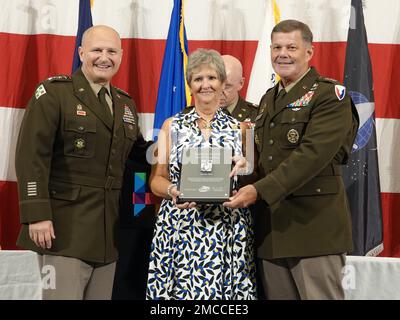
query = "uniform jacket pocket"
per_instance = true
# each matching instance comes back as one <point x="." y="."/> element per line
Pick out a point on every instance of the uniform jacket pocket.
<point x="130" y="131"/>
<point x="319" y="186"/>
<point x="293" y="124"/>
<point x="63" y="191"/>
<point x="80" y="136"/>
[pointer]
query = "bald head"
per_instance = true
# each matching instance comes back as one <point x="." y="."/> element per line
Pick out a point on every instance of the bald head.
<point x="233" y="67"/>
<point x="103" y="30"/>
<point x="234" y="80"/>
<point x="100" y="53"/>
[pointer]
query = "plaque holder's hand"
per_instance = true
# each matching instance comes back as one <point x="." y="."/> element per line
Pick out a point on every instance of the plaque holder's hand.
<point x="174" y="193"/>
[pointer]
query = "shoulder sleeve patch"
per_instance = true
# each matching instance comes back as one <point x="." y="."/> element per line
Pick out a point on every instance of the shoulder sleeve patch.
<point x="340" y="91"/>
<point x="40" y="91"/>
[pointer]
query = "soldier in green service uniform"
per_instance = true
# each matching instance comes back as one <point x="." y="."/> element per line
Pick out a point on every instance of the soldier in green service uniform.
<point x="231" y="102"/>
<point x="304" y="131"/>
<point x="75" y="137"/>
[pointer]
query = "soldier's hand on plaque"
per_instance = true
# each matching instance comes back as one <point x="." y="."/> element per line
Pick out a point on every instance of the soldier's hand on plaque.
<point x="174" y="194"/>
<point x="243" y="198"/>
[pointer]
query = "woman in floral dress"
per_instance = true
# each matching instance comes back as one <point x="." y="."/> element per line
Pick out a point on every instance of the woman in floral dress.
<point x="199" y="251"/>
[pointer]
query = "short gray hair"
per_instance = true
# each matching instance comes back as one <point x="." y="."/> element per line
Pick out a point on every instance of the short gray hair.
<point x="208" y="57"/>
<point x="287" y="26"/>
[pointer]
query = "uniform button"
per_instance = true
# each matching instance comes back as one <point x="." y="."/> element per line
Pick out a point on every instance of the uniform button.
<point x="293" y="119"/>
<point x="115" y="136"/>
<point x="81" y="128"/>
<point x="53" y="192"/>
<point x="269" y="158"/>
<point x="272" y="125"/>
<point x="110" y="166"/>
<point x="271" y="142"/>
<point x="113" y="151"/>
<point x="318" y="190"/>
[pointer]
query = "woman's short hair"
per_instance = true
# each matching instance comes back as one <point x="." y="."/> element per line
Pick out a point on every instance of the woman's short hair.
<point x="208" y="57"/>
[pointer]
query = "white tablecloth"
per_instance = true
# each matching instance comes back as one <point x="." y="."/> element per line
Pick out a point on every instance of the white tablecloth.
<point x="19" y="276"/>
<point x="372" y="278"/>
<point x="364" y="277"/>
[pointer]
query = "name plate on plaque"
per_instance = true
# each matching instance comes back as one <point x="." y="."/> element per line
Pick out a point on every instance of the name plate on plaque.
<point x="205" y="175"/>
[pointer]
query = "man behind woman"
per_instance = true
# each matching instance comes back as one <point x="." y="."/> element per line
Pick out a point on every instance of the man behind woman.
<point x="199" y="251"/>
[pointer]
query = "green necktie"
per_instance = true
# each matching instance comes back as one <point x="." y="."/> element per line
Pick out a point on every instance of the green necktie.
<point x="102" y="98"/>
<point x="280" y="95"/>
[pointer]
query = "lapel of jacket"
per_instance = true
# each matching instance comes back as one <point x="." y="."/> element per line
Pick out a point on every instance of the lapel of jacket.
<point x="84" y="93"/>
<point x="119" y="108"/>
<point x="240" y="108"/>
<point x="299" y="90"/>
<point x="269" y="101"/>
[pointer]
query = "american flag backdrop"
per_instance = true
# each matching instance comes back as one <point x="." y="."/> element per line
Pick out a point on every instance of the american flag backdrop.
<point x="37" y="40"/>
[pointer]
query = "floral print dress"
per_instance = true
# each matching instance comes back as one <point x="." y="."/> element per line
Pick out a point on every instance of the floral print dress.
<point x="206" y="252"/>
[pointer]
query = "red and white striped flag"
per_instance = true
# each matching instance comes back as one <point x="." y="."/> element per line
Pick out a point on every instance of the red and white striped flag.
<point x="37" y="39"/>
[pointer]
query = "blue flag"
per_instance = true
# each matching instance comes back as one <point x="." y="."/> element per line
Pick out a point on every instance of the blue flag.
<point x="85" y="22"/>
<point x="361" y="175"/>
<point x="172" y="91"/>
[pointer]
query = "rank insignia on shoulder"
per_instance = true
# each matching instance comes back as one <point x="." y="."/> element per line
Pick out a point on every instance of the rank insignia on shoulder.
<point x="60" y="77"/>
<point x="328" y="80"/>
<point x="123" y="92"/>
<point x="40" y="91"/>
<point x="254" y="105"/>
<point x="340" y="91"/>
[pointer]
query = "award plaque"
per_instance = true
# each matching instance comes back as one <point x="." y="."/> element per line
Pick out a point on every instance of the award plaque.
<point x="205" y="175"/>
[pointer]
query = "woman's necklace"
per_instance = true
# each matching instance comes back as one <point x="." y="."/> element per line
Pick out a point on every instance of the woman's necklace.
<point x="205" y="124"/>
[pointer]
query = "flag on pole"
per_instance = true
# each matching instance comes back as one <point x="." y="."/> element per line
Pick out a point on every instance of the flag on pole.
<point x="262" y="75"/>
<point x="173" y="92"/>
<point x="85" y="22"/>
<point x="361" y="175"/>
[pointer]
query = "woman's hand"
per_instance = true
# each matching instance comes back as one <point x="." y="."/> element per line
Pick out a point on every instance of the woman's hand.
<point x="240" y="167"/>
<point x="175" y="193"/>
